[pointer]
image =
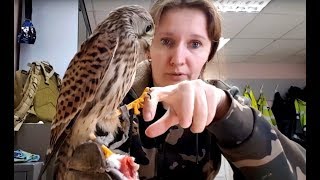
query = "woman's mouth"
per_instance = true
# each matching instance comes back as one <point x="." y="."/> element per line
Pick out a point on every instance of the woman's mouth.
<point x="177" y="76"/>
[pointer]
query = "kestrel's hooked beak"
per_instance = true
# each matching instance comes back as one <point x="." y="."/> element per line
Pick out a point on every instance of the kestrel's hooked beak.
<point x="148" y="46"/>
<point x="147" y="54"/>
<point x="145" y="45"/>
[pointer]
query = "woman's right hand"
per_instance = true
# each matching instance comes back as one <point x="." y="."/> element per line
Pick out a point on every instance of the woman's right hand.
<point x="193" y="104"/>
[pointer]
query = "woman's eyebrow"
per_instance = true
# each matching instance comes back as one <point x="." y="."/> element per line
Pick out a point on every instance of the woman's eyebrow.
<point x="198" y="36"/>
<point x="194" y="35"/>
<point x="166" y="33"/>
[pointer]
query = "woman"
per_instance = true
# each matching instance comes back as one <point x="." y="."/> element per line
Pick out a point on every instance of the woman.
<point x="188" y="122"/>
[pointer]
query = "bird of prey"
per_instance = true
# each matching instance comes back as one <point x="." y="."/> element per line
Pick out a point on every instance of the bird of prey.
<point x="96" y="81"/>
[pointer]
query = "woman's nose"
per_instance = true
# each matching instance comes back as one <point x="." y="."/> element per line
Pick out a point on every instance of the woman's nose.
<point x="178" y="57"/>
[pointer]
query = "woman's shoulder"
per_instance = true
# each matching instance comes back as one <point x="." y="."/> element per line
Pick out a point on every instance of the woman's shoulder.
<point x="143" y="78"/>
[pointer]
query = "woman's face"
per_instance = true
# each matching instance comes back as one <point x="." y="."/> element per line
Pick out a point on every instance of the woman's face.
<point x="180" y="47"/>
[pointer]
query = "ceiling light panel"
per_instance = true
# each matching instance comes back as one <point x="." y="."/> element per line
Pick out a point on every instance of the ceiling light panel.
<point x="249" y="6"/>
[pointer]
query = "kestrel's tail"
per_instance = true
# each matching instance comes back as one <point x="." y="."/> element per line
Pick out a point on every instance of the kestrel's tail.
<point x="55" y="146"/>
<point x="51" y="152"/>
<point x="59" y="171"/>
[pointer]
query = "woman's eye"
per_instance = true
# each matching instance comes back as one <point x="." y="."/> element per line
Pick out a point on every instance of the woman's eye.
<point x="166" y="42"/>
<point x="195" y="44"/>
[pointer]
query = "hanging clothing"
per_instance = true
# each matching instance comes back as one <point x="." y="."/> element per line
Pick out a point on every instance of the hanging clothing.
<point x="296" y="101"/>
<point x="301" y="112"/>
<point x="249" y="94"/>
<point x="284" y="114"/>
<point x="300" y="124"/>
<point x="264" y="108"/>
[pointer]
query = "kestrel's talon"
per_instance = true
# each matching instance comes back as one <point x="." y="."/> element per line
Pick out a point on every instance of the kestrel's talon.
<point x="138" y="103"/>
<point x="106" y="151"/>
<point x="147" y="92"/>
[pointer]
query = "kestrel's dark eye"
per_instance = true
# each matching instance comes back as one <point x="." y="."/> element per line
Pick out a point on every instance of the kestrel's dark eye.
<point x="148" y="28"/>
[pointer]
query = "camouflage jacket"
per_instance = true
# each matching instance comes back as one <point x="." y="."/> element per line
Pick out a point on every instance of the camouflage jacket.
<point x="254" y="148"/>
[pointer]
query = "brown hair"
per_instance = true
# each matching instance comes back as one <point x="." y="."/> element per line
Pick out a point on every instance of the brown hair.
<point x="213" y="18"/>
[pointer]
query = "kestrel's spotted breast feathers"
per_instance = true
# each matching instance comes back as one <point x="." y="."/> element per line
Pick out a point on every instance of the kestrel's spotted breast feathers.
<point x="81" y="80"/>
<point x="99" y="76"/>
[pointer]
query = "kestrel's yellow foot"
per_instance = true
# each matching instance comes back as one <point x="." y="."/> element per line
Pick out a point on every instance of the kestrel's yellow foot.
<point x="145" y="92"/>
<point x="138" y="103"/>
<point x="106" y="151"/>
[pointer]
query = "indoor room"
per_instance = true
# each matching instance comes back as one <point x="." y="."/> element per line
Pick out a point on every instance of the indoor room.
<point x="189" y="66"/>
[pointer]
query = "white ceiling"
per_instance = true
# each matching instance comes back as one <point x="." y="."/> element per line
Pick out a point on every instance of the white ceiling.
<point x="275" y="35"/>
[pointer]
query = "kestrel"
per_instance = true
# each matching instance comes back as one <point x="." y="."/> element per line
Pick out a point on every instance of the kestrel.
<point x="97" y="79"/>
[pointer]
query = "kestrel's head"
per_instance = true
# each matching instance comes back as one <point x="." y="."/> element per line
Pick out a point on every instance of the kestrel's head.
<point x="142" y="24"/>
<point x="131" y="21"/>
<point x="140" y="20"/>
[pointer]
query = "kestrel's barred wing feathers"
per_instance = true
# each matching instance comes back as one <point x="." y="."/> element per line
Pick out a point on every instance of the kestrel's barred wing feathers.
<point x="80" y="95"/>
<point x="77" y="89"/>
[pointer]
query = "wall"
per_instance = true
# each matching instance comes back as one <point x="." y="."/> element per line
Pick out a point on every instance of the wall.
<point x="256" y="71"/>
<point x="56" y="24"/>
<point x="17" y="14"/>
<point x="83" y="33"/>
<point x="256" y="75"/>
